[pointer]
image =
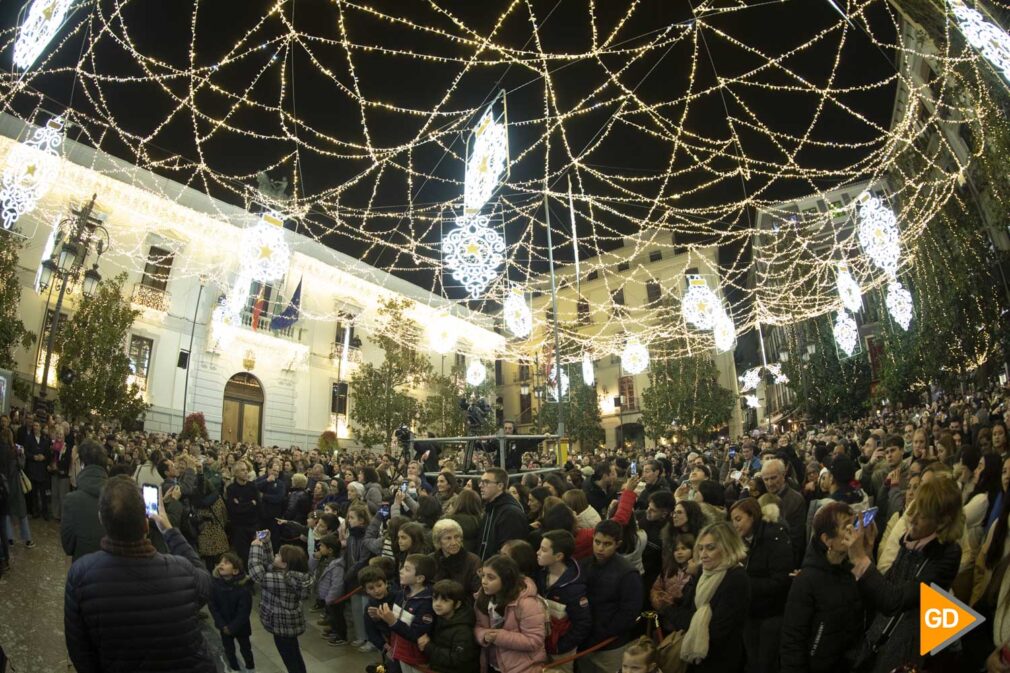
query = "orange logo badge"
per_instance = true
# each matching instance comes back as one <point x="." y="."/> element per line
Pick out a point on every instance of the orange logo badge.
<point x="942" y="619"/>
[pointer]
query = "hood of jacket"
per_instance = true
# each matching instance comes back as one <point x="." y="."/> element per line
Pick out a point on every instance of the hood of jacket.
<point x="816" y="558"/>
<point x="239" y="580"/>
<point x="91" y="479"/>
<point x="503" y="501"/>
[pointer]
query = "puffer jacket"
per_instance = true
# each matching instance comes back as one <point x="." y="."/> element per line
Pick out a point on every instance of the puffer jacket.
<point x="769" y="562"/>
<point x="127" y="614"/>
<point x="452" y="646"/>
<point x="568" y="608"/>
<point x="80" y="530"/>
<point x="231" y="604"/>
<point x="519" y="645"/>
<point x="615" y="592"/>
<point x="823" y="617"/>
<point x="283" y="592"/>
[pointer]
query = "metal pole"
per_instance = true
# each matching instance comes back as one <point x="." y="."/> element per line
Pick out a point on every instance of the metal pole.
<point x="340" y="367"/>
<point x="764" y="362"/>
<point x="554" y="306"/>
<point x="189" y="364"/>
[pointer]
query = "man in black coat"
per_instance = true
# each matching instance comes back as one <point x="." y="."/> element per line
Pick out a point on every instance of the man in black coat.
<point x="652" y="476"/>
<point x="81" y="530"/>
<point x="597" y="488"/>
<point x="793" y="507"/>
<point x="504" y="518"/>
<point x="127" y="607"/>
<point x="37" y="457"/>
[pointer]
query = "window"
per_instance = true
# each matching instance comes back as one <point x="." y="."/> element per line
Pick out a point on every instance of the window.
<point x="158" y="268"/>
<point x="627" y="388"/>
<point x="140" y="359"/>
<point x="525" y="407"/>
<point x="524" y="372"/>
<point x="583" y="311"/>
<point x="655" y="255"/>
<point x="653" y="292"/>
<point x="592" y="275"/>
<point x="460" y="361"/>
<point x="623" y="266"/>
<point x="617" y="296"/>
<point x="338" y="398"/>
<point x="499" y="378"/>
<point x="344" y="320"/>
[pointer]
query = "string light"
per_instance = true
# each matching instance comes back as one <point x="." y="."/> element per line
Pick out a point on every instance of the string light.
<point x="846" y="333"/>
<point x="30" y="171"/>
<point x="899" y="304"/>
<point x="476" y="373"/>
<point x="473" y="251"/>
<point x="39" y="28"/>
<point x="848" y="289"/>
<point x="588" y="373"/>
<point x="634" y="357"/>
<point x="518" y="317"/>
<point x="991" y="41"/>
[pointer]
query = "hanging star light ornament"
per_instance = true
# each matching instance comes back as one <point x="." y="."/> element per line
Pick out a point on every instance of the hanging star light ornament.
<point x="518" y="317"/>
<point x="848" y="289"/>
<point x="724" y="332"/>
<point x="750" y="379"/>
<point x="990" y="40"/>
<point x="846" y="332"/>
<point x="899" y="304"/>
<point x="588" y="374"/>
<point x="752" y="401"/>
<point x="264" y="254"/>
<point x="552" y="388"/>
<point x="634" y="357"/>
<point x="476" y="373"/>
<point x="700" y="303"/>
<point x="31" y="169"/>
<point x="775" y="369"/>
<point x="38" y="29"/>
<point x="442" y="335"/>
<point x="878" y="233"/>
<point x="473" y="252"/>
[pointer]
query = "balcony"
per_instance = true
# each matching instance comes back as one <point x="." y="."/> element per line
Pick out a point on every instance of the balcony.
<point x="151" y="298"/>
<point x="354" y="356"/>
<point x="291" y="333"/>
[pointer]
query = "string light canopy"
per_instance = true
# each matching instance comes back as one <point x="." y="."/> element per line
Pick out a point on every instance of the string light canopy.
<point x="476" y="373"/>
<point x="899" y="304"/>
<point x="701" y="177"/>
<point x="31" y="169"/>
<point x="846" y="333"/>
<point x="518" y="317"/>
<point x="848" y="289"/>
<point x="588" y="373"/>
<point x="990" y="40"/>
<point x="635" y="356"/>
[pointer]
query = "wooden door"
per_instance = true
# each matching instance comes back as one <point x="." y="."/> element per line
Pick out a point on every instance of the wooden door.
<point x="230" y="421"/>
<point x="251" y="422"/>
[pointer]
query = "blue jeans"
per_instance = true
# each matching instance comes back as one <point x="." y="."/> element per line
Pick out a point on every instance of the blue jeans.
<point x="291" y="654"/>
<point x="26" y="532"/>
<point x="359" y="602"/>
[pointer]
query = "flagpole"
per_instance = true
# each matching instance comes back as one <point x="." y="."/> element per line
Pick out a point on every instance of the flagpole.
<point x="189" y="362"/>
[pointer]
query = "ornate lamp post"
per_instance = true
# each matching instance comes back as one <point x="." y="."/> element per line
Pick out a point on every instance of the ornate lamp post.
<point x="66" y="266"/>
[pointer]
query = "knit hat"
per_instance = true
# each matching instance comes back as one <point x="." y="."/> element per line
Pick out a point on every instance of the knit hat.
<point x="331" y="540"/>
<point x="357" y="486"/>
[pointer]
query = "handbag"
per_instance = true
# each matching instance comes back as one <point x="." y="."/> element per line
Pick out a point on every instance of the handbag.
<point x="26" y="483"/>
<point x="868" y="655"/>
<point x="669" y="654"/>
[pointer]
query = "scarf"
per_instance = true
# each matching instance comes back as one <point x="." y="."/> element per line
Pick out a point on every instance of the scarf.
<point x="694" y="647"/>
<point x="135" y="549"/>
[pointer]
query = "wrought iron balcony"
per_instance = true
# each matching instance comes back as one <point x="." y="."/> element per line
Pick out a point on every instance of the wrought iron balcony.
<point x="151" y="297"/>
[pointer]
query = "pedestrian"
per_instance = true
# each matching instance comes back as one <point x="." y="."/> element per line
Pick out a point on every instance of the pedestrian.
<point x="81" y="529"/>
<point x="231" y="607"/>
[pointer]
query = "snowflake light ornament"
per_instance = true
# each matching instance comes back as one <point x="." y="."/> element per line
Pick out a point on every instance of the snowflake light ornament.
<point x="990" y="40"/>
<point x="848" y="289"/>
<point x="846" y="333"/>
<point x="700" y="303"/>
<point x="38" y="29"/>
<point x="518" y="317"/>
<point x="30" y="171"/>
<point x="264" y="254"/>
<point x="634" y="357"/>
<point x="442" y="335"/>
<point x="878" y="233"/>
<point x="487" y="162"/>
<point x="552" y="387"/>
<point x="752" y="401"/>
<point x="750" y="379"/>
<point x="899" y="304"/>
<point x="476" y="373"/>
<point x="588" y="373"/>
<point x="473" y="252"/>
<point x="775" y="369"/>
<point x="724" y="332"/>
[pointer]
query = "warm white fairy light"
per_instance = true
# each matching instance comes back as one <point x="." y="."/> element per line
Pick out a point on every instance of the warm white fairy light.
<point x="30" y="171"/>
<point x="472" y="252"/>
<point x="518" y="317"/>
<point x="878" y="233"/>
<point x="990" y="40"/>
<point x="724" y="332"/>
<point x="39" y="28"/>
<point x="485" y="167"/>
<point x="899" y="304"/>
<point x="588" y="373"/>
<point x="700" y="304"/>
<point x="846" y="333"/>
<point x="264" y="255"/>
<point x="634" y="357"/>
<point x="848" y="289"/>
<point x="552" y="383"/>
<point x="476" y="373"/>
<point x="442" y="335"/>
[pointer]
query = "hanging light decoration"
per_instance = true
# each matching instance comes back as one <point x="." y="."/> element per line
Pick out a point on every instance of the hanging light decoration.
<point x="990" y="40"/>
<point x="476" y="373"/>
<point x="846" y="332"/>
<point x="750" y="379"/>
<point x="38" y="29"/>
<point x="724" y="332"/>
<point x="518" y="317"/>
<point x="588" y="374"/>
<point x="700" y="303"/>
<point x="487" y="162"/>
<point x="472" y="252"/>
<point x="31" y="169"/>
<point x="775" y="369"/>
<point x="848" y="289"/>
<point x="878" y="233"/>
<point x="442" y="335"/>
<point x="552" y="388"/>
<point x="899" y="304"/>
<point x="752" y="401"/>
<point x="264" y="254"/>
<point x="635" y="357"/>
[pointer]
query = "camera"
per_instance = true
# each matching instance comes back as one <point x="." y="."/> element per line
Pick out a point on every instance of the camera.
<point x="477" y="412"/>
<point x="402" y="435"/>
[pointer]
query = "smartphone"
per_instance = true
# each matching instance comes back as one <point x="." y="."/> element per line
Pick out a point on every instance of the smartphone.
<point x="403" y="487"/>
<point x="634" y="469"/>
<point x="868" y="516"/>
<point x="732" y="453"/>
<point x="150" y="499"/>
<point x="261" y="535"/>
<point x="735" y="475"/>
<point x="384" y="511"/>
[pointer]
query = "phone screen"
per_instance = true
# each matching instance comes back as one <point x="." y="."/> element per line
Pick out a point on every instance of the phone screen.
<point x="150" y="499"/>
<point x="634" y="469"/>
<point x="732" y="453"/>
<point x="384" y="511"/>
<point x="868" y="517"/>
<point x="735" y="475"/>
<point x="261" y="535"/>
<point x="403" y="487"/>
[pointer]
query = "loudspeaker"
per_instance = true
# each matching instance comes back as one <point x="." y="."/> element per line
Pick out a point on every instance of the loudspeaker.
<point x="183" y="362"/>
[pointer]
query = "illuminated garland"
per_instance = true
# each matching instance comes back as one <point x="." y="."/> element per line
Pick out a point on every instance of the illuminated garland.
<point x="39" y="28"/>
<point x="991" y="41"/>
<point x="30" y="171"/>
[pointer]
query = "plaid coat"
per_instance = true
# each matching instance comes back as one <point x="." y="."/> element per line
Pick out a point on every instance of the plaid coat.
<point x="283" y="592"/>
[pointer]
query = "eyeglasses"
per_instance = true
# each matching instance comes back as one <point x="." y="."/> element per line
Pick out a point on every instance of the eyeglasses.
<point x="487" y="482"/>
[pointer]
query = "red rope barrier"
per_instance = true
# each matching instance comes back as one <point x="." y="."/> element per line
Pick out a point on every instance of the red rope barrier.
<point x="597" y="646"/>
<point x="345" y="596"/>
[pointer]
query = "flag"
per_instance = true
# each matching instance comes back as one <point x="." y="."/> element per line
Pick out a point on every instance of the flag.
<point x="289" y="316"/>
<point x="257" y="310"/>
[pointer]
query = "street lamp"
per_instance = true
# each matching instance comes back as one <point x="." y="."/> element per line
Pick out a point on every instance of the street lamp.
<point x="84" y="230"/>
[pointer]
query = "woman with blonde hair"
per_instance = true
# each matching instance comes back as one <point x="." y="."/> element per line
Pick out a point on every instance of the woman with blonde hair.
<point x="712" y="613"/>
<point x="452" y="560"/>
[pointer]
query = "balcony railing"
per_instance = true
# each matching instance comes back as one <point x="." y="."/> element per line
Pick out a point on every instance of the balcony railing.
<point x="263" y="325"/>
<point x="151" y="297"/>
<point x="354" y="356"/>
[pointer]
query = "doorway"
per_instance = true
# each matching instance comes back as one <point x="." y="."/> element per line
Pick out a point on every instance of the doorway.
<point x="242" y="416"/>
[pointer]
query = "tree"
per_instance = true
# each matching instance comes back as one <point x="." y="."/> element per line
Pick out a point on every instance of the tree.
<point x="441" y="411"/>
<point x="13" y="333"/>
<point x="381" y="402"/>
<point x="583" y="422"/>
<point x="685" y="392"/>
<point x="92" y="348"/>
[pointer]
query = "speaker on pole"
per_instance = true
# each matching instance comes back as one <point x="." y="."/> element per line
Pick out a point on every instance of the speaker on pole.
<point x="183" y="360"/>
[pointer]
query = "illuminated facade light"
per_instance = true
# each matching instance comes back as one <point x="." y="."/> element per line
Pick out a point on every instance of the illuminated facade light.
<point x="38" y="29"/>
<point x="848" y="289"/>
<point x="30" y="171"/>
<point x="846" y="333"/>
<point x="878" y="233"/>
<point x="472" y="252"/>
<point x="634" y="357"/>
<point x="486" y="165"/>
<point x="700" y="304"/>
<point x="476" y="373"/>
<point x="899" y="304"/>
<point x="518" y="317"/>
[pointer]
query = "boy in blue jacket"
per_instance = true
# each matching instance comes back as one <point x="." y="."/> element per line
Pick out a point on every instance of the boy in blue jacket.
<point x="412" y="614"/>
<point x="380" y="593"/>
<point x="561" y="584"/>
<point x="330" y="586"/>
<point x="231" y="606"/>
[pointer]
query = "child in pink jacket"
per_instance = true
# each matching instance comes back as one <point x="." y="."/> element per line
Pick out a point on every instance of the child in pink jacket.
<point x="511" y="620"/>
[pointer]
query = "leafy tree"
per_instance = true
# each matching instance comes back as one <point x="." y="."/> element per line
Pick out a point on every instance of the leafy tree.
<point x="583" y="423"/>
<point x="685" y="391"/>
<point x="441" y="412"/>
<point x="13" y="333"/>
<point x="381" y="402"/>
<point x="92" y="347"/>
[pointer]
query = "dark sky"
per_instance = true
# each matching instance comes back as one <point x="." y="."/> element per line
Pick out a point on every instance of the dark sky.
<point x="161" y="30"/>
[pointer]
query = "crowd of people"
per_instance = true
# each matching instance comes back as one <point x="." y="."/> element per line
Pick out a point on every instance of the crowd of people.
<point x="791" y="550"/>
